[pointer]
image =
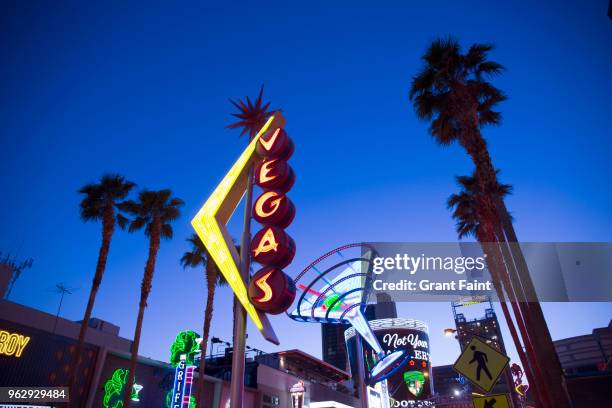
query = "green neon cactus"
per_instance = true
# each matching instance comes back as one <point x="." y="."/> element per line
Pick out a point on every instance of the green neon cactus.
<point x="113" y="389"/>
<point x="185" y="343"/>
<point x="192" y="400"/>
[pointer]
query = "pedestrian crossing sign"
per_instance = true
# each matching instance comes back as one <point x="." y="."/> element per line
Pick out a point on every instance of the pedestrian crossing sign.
<point x="491" y="401"/>
<point x="481" y="364"/>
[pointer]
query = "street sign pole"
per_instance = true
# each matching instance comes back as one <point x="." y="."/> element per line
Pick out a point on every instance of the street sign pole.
<point x="238" y="352"/>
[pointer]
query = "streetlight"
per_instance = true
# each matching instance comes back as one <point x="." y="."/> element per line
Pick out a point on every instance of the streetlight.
<point x="449" y="332"/>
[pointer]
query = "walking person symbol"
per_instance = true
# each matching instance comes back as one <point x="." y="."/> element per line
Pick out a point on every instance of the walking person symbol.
<point x="490" y="403"/>
<point x="481" y="361"/>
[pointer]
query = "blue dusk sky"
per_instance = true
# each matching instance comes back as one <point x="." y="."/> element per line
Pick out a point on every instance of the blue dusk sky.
<point x="141" y="88"/>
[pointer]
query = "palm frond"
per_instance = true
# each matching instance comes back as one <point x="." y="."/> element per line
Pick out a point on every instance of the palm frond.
<point x="110" y="189"/>
<point x="137" y="224"/>
<point x="451" y="84"/>
<point x="166" y="231"/>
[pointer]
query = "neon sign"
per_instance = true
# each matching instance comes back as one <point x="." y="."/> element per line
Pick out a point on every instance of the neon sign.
<point x="187" y="344"/>
<point x="297" y="394"/>
<point x="210" y="223"/>
<point x="181" y="390"/>
<point x="275" y="174"/>
<point x="192" y="401"/>
<point x="264" y="172"/>
<point x="273" y="246"/>
<point x="266" y="243"/>
<point x="278" y="145"/>
<point x="262" y="283"/>
<point x="113" y="389"/>
<point x="12" y="344"/>
<point x="274" y="208"/>
<point x="270" y="289"/>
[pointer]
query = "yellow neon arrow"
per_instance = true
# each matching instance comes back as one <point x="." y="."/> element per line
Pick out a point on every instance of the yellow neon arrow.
<point x="210" y="222"/>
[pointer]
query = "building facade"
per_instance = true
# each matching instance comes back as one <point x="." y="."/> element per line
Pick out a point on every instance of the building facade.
<point x="40" y="348"/>
<point x="588" y="353"/>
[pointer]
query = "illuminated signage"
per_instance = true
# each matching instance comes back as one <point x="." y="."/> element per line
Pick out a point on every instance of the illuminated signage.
<point x="178" y="389"/>
<point x="275" y="174"/>
<point x="273" y="246"/>
<point x="186" y="345"/>
<point x="12" y="344"/>
<point x="274" y="208"/>
<point x="297" y="394"/>
<point x="270" y="289"/>
<point x="183" y="355"/>
<point x="210" y="222"/>
<point x="262" y="283"/>
<point x="412" y="381"/>
<point x="277" y="144"/>
<point x="113" y="389"/>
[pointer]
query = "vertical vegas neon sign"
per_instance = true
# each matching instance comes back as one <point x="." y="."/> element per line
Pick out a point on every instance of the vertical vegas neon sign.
<point x="270" y="289"/>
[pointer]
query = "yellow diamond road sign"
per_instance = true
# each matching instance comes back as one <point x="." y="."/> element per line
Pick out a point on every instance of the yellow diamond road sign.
<point x="481" y="364"/>
<point x="492" y="401"/>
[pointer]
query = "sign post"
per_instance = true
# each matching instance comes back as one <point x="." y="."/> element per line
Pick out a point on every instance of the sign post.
<point x="481" y="364"/>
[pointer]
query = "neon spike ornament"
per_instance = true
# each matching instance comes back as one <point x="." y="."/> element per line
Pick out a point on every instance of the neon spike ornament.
<point x="210" y="223"/>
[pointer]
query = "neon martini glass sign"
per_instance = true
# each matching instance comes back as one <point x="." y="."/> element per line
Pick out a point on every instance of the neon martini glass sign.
<point x="339" y="298"/>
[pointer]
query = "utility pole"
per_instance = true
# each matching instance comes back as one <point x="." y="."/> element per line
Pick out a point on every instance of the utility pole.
<point x="62" y="290"/>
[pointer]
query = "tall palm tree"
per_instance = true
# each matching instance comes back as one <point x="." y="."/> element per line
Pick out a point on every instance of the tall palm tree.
<point x="154" y="212"/>
<point x="452" y="92"/>
<point x="464" y="206"/>
<point x="198" y="257"/>
<point x="99" y="204"/>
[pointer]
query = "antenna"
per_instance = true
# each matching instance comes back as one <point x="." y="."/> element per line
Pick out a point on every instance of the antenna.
<point x="62" y="290"/>
<point x="16" y="269"/>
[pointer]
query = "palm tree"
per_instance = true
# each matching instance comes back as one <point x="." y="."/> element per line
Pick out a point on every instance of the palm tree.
<point x="99" y="204"/>
<point x="196" y="257"/>
<point x="464" y="206"/>
<point x="154" y="212"/>
<point x="452" y="92"/>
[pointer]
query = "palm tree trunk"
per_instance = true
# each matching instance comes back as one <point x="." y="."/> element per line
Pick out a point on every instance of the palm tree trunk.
<point x="535" y="324"/>
<point x="528" y="358"/>
<point x="145" y="289"/>
<point x="108" y="227"/>
<point x="211" y="281"/>
<point x="496" y="266"/>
